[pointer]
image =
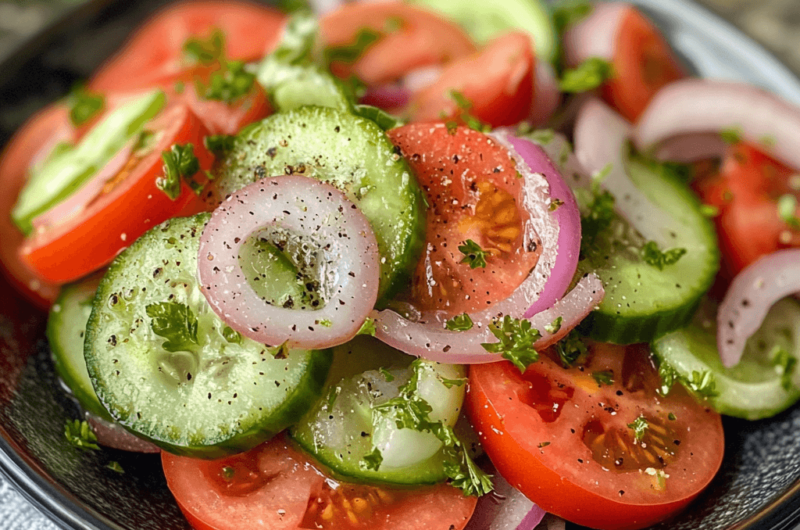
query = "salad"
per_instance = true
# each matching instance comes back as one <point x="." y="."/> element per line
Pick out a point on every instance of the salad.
<point x="422" y="264"/>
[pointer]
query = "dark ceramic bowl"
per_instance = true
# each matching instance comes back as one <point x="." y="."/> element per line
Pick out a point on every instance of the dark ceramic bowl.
<point x="757" y="488"/>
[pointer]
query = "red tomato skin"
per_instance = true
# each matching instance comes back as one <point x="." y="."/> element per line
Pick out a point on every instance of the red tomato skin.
<point x="32" y="142"/>
<point x="424" y="38"/>
<point x="154" y="52"/>
<point x="115" y="220"/>
<point x="498" y="81"/>
<point x="643" y="64"/>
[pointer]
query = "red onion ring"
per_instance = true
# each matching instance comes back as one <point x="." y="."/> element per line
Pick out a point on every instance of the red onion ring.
<point x="506" y="508"/>
<point x="387" y="97"/>
<point x="693" y="106"/>
<point x="78" y="201"/>
<point x="601" y="136"/>
<point x="116" y="437"/>
<point x="547" y="96"/>
<point x="748" y="300"/>
<point x="596" y="35"/>
<point x="690" y="148"/>
<point x="302" y="206"/>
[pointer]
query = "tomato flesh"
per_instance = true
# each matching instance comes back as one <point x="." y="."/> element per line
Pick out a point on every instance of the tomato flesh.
<point x="498" y="83"/>
<point x="474" y="193"/>
<point x="563" y="438"/>
<point x="643" y="63"/>
<point x="276" y="487"/>
<point x="130" y="204"/>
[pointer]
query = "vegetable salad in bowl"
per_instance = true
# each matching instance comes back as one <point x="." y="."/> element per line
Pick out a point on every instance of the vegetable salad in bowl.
<point x="401" y="265"/>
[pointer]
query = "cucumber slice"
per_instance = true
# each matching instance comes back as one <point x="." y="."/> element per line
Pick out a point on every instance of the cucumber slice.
<point x="208" y="396"/>
<point x="753" y="389"/>
<point x="643" y="302"/>
<point x="486" y="20"/>
<point x="69" y="171"/>
<point x="342" y="428"/>
<point x="299" y="86"/>
<point x="353" y="154"/>
<point x="66" y="327"/>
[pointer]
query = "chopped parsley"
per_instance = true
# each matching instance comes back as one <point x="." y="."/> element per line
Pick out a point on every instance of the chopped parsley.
<point x="652" y="255"/>
<point x="175" y="322"/>
<point x="672" y="417"/>
<point x="474" y="255"/>
<point x="639" y="427"/>
<point x="785" y="364"/>
<point x="461" y="322"/>
<point x="115" y="467"/>
<point x="387" y="375"/>
<point x="542" y="136"/>
<point x="382" y="119"/>
<point x="787" y="210"/>
<point x="516" y="340"/>
<point x="84" y="105"/>
<point x="588" y="75"/>
<point x="372" y="461"/>
<point x="80" y="435"/>
<point x="219" y="143"/>
<point x="450" y="383"/>
<point x="179" y="162"/>
<point x="350" y="53"/>
<point x="367" y="328"/>
<point x="604" y="378"/>
<point x="229" y="85"/>
<point x="231" y="335"/>
<point x="731" y="136"/>
<point x="282" y="351"/>
<point x="569" y="12"/>
<point x="709" y="210"/>
<point x="668" y="377"/>
<point x="555" y="326"/>
<point x="207" y="51"/>
<point x="570" y="348"/>
<point x="702" y="384"/>
<point x="464" y="105"/>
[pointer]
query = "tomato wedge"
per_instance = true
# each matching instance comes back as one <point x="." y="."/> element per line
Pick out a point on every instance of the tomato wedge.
<point x="30" y="145"/>
<point x="498" y="83"/>
<point x="153" y="56"/>
<point x="129" y="204"/>
<point x="408" y="38"/>
<point x="643" y="64"/>
<point x="275" y="487"/>
<point x="746" y="191"/>
<point x="566" y="437"/>
<point x="474" y="194"/>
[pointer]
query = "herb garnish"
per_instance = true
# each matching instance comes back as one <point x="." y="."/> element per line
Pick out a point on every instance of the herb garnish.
<point x="464" y="105"/>
<point x="474" y="255"/>
<point x="282" y="351"/>
<point x="554" y="326"/>
<point x="229" y="85"/>
<point x="179" y="162"/>
<point x="604" y="378"/>
<point x="732" y="135"/>
<point x="450" y="383"/>
<point x="115" y="467"/>
<point x="84" y="105"/>
<point x="208" y="51"/>
<point x="367" y="328"/>
<point x="461" y="322"/>
<point x="639" y="427"/>
<point x="568" y="13"/>
<point x="372" y="461"/>
<point x="79" y="434"/>
<point x="599" y="213"/>
<point x="516" y="339"/>
<point x="787" y="210"/>
<point x="387" y="375"/>
<point x="219" y="143"/>
<point x="382" y="119"/>
<point x="350" y="53"/>
<point x="231" y="335"/>
<point x="785" y="364"/>
<point x="702" y="384"/>
<point x="570" y="348"/>
<point x="588" y="75"/>
<point x="175" y="322"/>
<point x="652" y="255"/>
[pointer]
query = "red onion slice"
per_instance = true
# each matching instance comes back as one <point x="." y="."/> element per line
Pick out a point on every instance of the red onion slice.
<point x="547" y="96"/>
<point x="387" y="97"/>
<point x="690" y="148"/>
<point x="696" y="106"/>
<point x="327" y="222"/>
<point x="116" y="437"/>
<point x="506" y="508"/>
<point x="596" y="35"/>
<point x="601" y="137"/>
<point x="748" y="300"/>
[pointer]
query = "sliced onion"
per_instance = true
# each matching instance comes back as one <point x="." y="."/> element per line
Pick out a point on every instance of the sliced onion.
<point x="551" y="522"/>
<point x="76" y="203"/>
<point x="690" y="148"/>
<point x="560" y="151"/>
<point x="116" y="437"/>
<point x="547" y="95"/>
<point x="749" y="298"/>
<point x="596" y="35"/>
<point x="506" y="508"/>
<point x="601" y="137"/>
<point x="347" y="256"/>
<point x="696" y="106"/>
<point x="422" y="77"/>
<point x="387" y="97"/>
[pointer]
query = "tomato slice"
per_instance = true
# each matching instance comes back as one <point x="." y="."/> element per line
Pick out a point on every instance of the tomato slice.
<point x="29" y="146"/>
<point x="155" y="52"/>
<point x="746" y="192"/>
<point x="643" y="64"/>
<point x="474" y="193"/>
<point x="128" y="206"/>
<point x="410" y="38"/>
<point x="563" y="437"/>
<point x="275" y="487"/>
<point x="497" y="81"/>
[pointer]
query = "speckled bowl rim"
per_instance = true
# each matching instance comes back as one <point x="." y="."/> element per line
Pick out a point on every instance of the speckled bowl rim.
<point x="68" y="512"/>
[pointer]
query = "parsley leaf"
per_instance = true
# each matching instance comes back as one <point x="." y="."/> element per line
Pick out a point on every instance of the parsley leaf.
<point x="702" y="384"/>
<point x="652" y="255"/>
<point x="568" y="13"/>
<point x="219" y="143"/>
<point x="450" y="383"/>
<point x="516" y="339"/>
<point x="604" y="378"/>
<point x="732" y="135"/>
<point x="554" y="326"/>
<point x="785" y="364"/>
<point x="229" y="85"/>
<point x="115" y="467"/>
<point x="787" y="210"/>
<point x="282" y="351"/>
<point x="372" y="461"/>
<point x="84" y="105"/>
<point x="639" y="427"/>
<point x="179" y="162"/>
<point x="382" y="119"/>
<point x="474" y="255"/>
<point x="461" y="322"/>
<point x="350" y="53"/>
<point x="464" y="105"/>
<point x="709" y="210"/>
<point x="175" y="322"/>
<point x="231" y="335"/>
<point x="668" y="377"/>
<point x="79" y="434"/>
<point x="570" y="348"/>
<point x="387" y="375"/>
<point x="205" y="51"/>
<point x="588" y="75"/>
<point x="367" y="328"/>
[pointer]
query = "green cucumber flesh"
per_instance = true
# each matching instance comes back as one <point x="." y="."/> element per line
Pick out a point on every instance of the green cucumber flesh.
<point x="67" y="172"/>
<point x="351" y="153"/>
<point x="66" y="328"/>
<point x="220" y="395"/>
<point x="485" y="20"/>
<point x="753" y="389"/>
<point x="643" y="302"/>
<point x="343" y="427"/>
<point x="300" y="86"/>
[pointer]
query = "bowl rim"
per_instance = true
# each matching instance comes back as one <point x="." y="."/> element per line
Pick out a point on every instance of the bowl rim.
<point x="67" y="511"/>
